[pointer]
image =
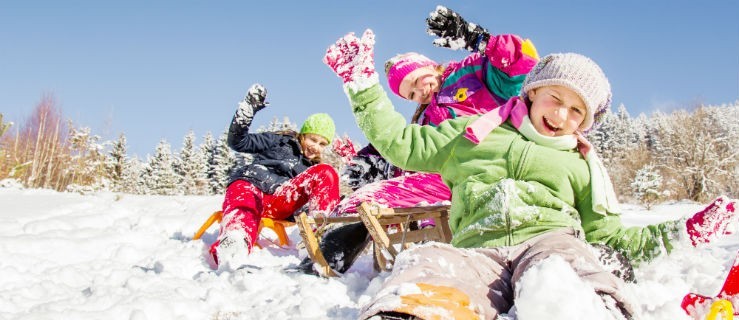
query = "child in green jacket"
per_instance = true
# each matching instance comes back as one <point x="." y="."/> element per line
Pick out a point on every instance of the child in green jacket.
<point x="521" y="191"/>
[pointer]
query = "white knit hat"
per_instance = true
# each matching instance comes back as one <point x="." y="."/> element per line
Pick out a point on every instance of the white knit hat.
<point x="578" y="73"/>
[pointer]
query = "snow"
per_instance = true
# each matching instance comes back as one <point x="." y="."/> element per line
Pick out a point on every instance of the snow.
<point x="120" y="256"/>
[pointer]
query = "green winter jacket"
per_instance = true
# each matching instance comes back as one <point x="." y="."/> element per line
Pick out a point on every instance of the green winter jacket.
<point x="505" y="189"/>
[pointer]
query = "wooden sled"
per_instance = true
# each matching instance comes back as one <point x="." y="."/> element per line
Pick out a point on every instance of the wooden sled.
<point x="391" y="232"/>
<point x="389" y="228"/>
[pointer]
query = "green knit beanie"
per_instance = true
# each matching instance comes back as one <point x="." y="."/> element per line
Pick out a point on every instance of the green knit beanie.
<point x="320" y="124"/>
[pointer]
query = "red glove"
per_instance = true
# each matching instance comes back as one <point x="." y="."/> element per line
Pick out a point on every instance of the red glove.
<point x="344" y="148"/>
<point x="352" y="59"/>
<point x="713" y="221"/>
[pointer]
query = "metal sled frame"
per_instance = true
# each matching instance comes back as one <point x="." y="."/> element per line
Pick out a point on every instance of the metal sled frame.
<point x="389" y="228"/>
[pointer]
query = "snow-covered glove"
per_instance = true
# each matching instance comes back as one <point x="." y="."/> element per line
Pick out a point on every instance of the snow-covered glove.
<point x="256" y="96"/>
<point x="253" y="101"/>
<point x="352" y="59"/>
<point x="715" y="220"/>
<point x="454" y="32"/>
<point x="365" y="169"/>
<point x="344" y="148"/>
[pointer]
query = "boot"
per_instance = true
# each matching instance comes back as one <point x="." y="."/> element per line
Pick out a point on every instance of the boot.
<point x="340" y="246"/>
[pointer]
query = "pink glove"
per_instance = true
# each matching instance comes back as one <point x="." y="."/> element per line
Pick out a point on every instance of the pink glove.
<point x="344" y="148"/>
<point x="712" y="222"/>
<point x="352" y="59"/>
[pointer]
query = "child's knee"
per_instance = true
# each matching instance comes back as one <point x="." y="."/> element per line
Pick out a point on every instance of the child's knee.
<point x="241" y="194"/>
<point x="326" y="171"/>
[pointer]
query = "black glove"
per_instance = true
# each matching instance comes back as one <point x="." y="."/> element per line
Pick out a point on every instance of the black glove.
<point x="256" y="97"/>
<point x="365" y="169"/>
<point x="454" y="32"/>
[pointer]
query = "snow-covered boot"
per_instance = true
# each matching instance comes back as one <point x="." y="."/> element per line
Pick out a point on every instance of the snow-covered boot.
<point x="232" y="250"/>
<point x="615" y="262"/>
<point x="340" y="246"/>
<point x="616" y="309"/>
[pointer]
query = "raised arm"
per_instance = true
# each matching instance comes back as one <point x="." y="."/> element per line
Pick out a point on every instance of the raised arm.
<point x="410" y="147"/>
<point x="508" y="53"/>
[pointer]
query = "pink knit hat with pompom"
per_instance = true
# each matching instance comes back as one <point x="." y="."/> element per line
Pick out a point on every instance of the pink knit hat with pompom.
<point x="401" y="65"/>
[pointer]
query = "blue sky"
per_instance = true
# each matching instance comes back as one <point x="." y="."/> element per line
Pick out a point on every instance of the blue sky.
<point x="156" y="69"/>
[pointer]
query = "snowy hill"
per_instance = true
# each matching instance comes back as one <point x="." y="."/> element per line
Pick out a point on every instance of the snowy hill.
<point x="120" y="256"/>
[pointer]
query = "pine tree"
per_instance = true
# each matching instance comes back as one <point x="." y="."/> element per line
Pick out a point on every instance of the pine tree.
<point x="601" y="136"/>
<point x="222" y="163"/>
<point x="277" y="126"/>
<point x="200" y="172"/>
<point x="163" y="179"/>
<point x="117" y="162"/>
<point x="192" y="168"/>
<point x="647" y="185"/>
<point x="207" y="151"/>
<point x="188" y="167"/>
<point x="132" y="177"/>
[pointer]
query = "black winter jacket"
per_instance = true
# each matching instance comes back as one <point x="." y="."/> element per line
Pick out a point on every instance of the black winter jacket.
<point x="277" y="157"/>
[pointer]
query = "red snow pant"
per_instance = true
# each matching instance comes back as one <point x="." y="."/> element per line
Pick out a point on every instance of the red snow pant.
<point x="245" y="205"/>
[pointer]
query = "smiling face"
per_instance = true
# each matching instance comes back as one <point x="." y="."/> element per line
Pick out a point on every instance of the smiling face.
<point x="556" y="110"/>
<point x="312" y="145"/>
<point x="419" y="85"/>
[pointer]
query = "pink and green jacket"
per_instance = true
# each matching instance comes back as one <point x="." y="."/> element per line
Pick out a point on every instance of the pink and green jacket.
<point x="480" y="83"/>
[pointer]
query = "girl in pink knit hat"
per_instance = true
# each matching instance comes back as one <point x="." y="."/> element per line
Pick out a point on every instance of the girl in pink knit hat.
<point x="489" y="76"/>
<point x="477" y="84"/>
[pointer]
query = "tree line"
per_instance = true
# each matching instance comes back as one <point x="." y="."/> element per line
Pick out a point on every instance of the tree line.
<point x="685" y="154"/>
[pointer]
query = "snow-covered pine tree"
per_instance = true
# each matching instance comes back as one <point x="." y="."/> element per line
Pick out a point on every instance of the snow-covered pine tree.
<point x="223" y="161"/>
<point x="626" y="136"/>
<point x="163" y="178"/>
<point x="117" y="162"/>
<point x="133" y="178"/>
<point x="145" y="178"/>
<point x="200" y="172"/>
<point x="277" y="126"/>
<point x="611" y="141"/>
<point x="189" y="166"/>
<point x="640" y="128"/>
<point x="207" y="149"/>
<point x="613" y="135"/>
<point x="647" y="185"/>
<point x="601" y="136"/>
